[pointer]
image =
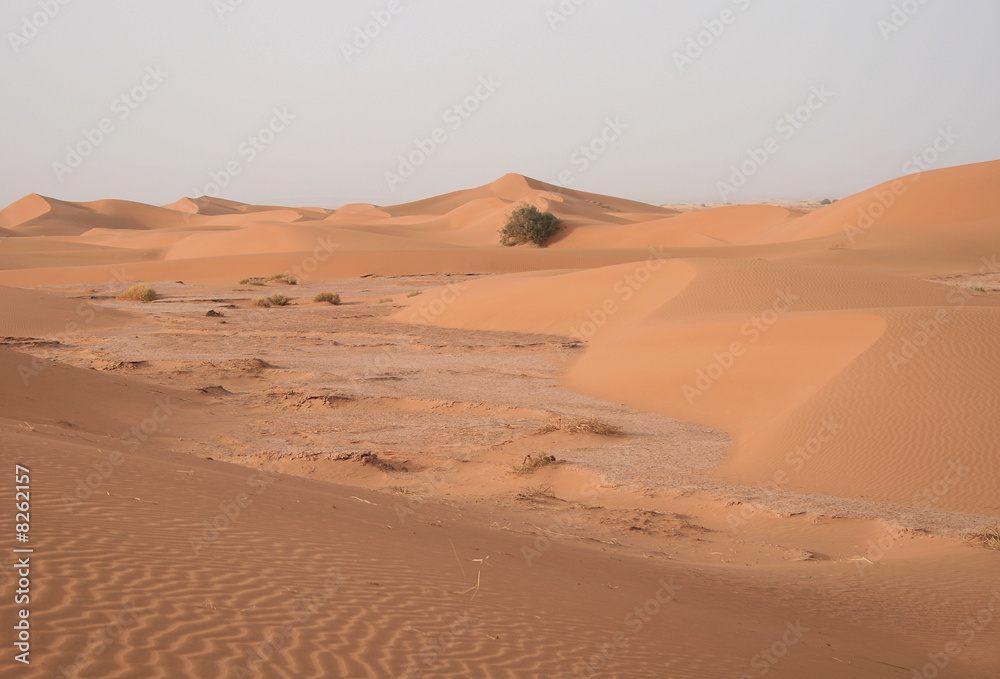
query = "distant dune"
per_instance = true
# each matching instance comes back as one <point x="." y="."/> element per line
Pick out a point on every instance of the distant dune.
<point x="778" y="391"/>
<point x="755" y="319"/>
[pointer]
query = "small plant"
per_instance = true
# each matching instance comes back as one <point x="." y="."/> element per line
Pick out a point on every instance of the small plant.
<point x="528" y="224"/>
<point x="138" y="292"/>
<point x="530" y="463"/>
<point x="212" y="313"/>
<point x="279" y="300"/>
<point x="254" y="280"/>
<point x="328" y="297"/>
<point x="383" y="300"/>
<point x="582" y="425"/>
<point x="261" y="302"/>
<point x="283" y="278"/>
<point x="988" y="537"/>
<point x="826" y="201"/>
<point x="415" y="293"/>
<point x="977" y="288"/>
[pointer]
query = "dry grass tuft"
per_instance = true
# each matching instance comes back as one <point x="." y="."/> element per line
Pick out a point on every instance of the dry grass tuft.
<point x="536" y="493"/>
<point x="383" y="300"/>
<point x="988" y="537"/>
<point x="261" y="302"/>
<point x="531" y="463"/>
<point x="415" y="293"/>
<point x="582" y="425"/>
<point x="279" y="300"/>
<point x="253" y="280"/>
<point x="139" y="292"/>
<point x="329" y="297"/>
<point x="283" y="278"/>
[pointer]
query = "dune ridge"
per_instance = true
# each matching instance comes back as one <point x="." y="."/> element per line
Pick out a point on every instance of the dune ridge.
<point x="661" y="446"/>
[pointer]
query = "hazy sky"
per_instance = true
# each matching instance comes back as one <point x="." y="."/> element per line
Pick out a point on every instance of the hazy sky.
<point x="290" y="102"/>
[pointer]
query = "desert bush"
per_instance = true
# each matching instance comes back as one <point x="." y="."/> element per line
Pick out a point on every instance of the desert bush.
<point x="279" y="300"/>
<point x="138" y="292"/>
<point x="825" y="201"/>
<point x="978" y="288"/>
<point x="528" y="224"/>
<point x="253" y="280"/>
<point x="329" y="297"/>
<point x="415" y="293"/>
<point x="261" y="302"/>
<point x="383" y="300"/>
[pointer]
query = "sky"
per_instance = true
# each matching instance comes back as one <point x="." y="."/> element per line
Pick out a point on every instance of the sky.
<point x="322" y="103"/>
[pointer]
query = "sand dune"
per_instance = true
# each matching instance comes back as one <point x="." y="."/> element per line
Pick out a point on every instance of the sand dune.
<point x="746" y="346"/>
<point x="928" y="202"/>
<point x="792" y="416"/>
<point x="29" y="313"/>
<point x="82" y="401"/>
<point x="734" y="225"/>
<point x="313" y="579"/>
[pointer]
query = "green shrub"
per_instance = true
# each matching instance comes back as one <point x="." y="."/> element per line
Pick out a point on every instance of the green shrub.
<point x="978" y="288"/>
<point x="139" y="292"/>
<point x="329" y="297"/>
<point x="528" y="224"/>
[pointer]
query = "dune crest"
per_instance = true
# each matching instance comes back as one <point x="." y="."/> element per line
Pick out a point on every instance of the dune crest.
<point x="754" y="318"/>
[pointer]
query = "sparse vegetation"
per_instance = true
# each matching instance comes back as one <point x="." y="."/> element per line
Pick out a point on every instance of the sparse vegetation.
<point x="530" y="463"/>
<point x="328" y="297"/>
<point x="825" y="201"/>
<point x="415" y="293"/>
<point x="212" y="313"/>
<point x="138" y="292"/>
<point x="279" y="300"/>
<point x="978" y="288"/>
<point x="582" y="425"/>
<point x="280" y="278"/>
<point x="988" y="537"/>
<point x="283" y="278"/>
<point x="528" y="224"/>
<point x="261" y="302"/>
<point x="383" y="300"/>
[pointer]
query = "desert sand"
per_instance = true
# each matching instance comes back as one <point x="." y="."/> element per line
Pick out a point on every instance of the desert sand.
<point x="774" y="431"/>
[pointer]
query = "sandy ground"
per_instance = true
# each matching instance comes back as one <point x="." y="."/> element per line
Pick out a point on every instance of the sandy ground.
<point x="752" y="472"/>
